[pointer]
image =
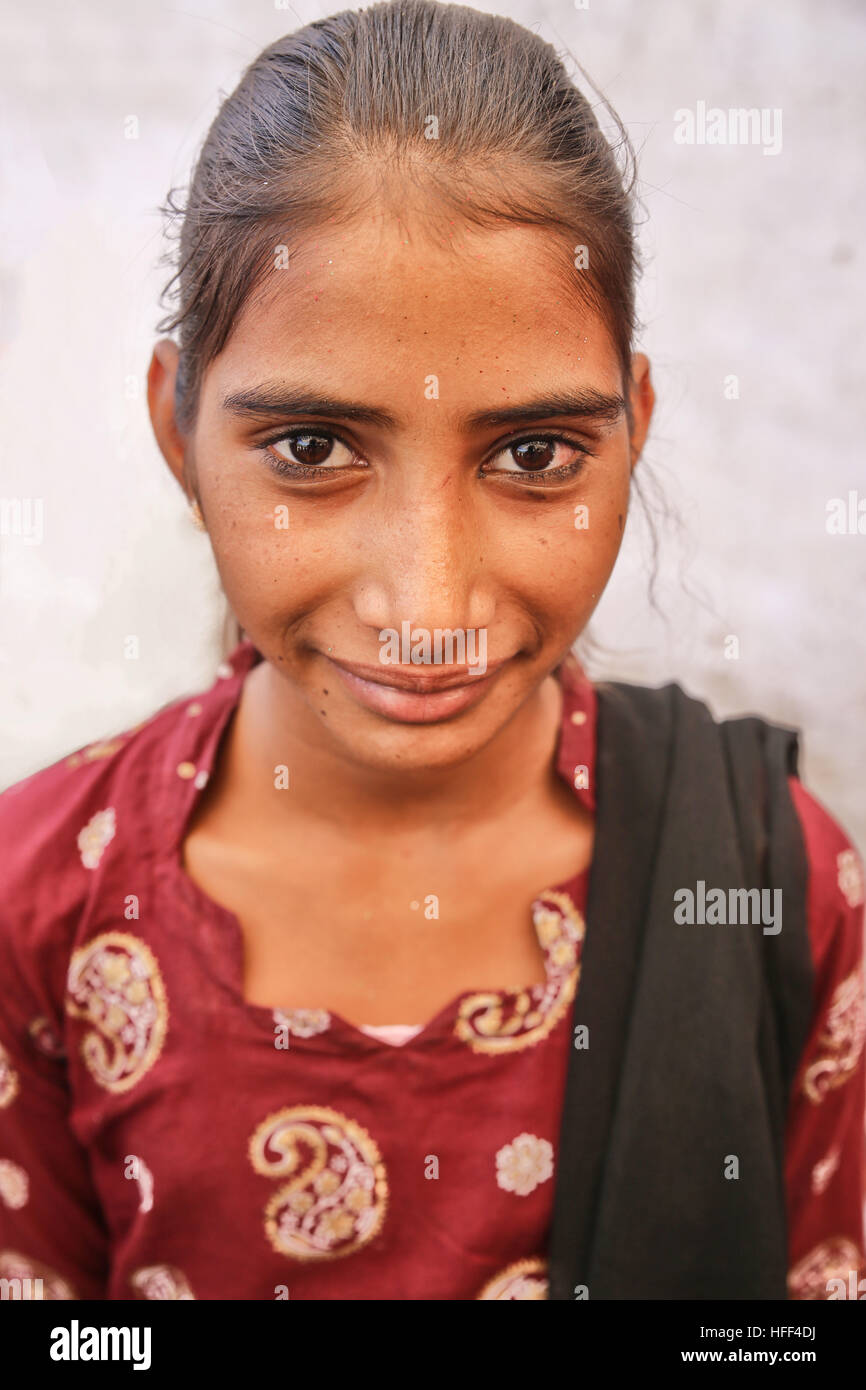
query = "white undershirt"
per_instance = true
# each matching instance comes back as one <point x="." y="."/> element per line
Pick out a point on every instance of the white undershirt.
<point x="394" y="1033"/>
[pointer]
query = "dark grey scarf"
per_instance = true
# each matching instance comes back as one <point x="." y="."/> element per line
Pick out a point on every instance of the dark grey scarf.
<point x="694" y="1031"/>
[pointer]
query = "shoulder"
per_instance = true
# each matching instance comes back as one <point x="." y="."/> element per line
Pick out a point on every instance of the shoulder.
<point x="835" y="868"/>
<point x="66" y="812"/>
<point x="84" y="828"/>
<point x="836" y="885"/>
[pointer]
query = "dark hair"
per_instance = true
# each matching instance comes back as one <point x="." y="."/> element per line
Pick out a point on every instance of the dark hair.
<point x="324" y="117"/>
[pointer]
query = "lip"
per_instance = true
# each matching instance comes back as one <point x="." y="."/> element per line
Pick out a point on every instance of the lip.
<point x="413" y="698"/>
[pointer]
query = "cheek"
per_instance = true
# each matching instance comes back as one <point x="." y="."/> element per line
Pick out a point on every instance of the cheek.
<point x="266" y="551"/>
<point x="567" y="556"/>
<point x="269" y="564"/>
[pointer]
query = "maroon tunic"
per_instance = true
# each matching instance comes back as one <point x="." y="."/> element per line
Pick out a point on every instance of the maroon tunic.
<point x="160" y="1137"/>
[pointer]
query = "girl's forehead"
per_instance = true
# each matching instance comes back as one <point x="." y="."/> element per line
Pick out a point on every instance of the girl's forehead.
<point x="379" y="256"/>
<point x="352" y="302"/>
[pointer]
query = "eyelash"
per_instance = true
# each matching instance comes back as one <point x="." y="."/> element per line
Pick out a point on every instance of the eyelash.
<point x="284" y="468"/>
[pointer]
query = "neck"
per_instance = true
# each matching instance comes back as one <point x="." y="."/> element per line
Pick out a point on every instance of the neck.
<point x="273" y="726"/>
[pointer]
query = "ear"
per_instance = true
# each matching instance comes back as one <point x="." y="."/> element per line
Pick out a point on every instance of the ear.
<point x="643" y="399"/>
<point x="161" y="376"/>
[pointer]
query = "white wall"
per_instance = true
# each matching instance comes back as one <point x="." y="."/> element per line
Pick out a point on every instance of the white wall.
<point x="755" y="270"/>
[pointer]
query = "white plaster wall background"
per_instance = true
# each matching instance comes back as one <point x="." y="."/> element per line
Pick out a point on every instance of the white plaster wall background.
<point x="755" y="268"/>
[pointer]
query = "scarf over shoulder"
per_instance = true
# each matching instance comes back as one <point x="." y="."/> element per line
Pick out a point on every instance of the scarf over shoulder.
<point x="669" y="1180"/>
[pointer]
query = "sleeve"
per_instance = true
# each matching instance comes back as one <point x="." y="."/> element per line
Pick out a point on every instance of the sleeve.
<point x="51" y="1225"/>
<point x="825" y="1151"/>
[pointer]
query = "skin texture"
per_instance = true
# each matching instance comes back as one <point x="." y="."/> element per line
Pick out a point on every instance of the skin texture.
<point x="434" y="523"/>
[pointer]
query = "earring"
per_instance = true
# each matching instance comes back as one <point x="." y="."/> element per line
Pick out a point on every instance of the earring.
<point x="195" y="513"/>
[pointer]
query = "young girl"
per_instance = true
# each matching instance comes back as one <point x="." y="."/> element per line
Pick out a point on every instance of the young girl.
<point x="405" y="962"/>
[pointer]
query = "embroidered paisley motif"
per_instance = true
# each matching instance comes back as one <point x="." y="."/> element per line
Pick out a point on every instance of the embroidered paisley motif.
<point x="525" y="1279"/>
<point x="38" y="1281"/>
<point x="507" y="1021"/>
<point x="115" y="984"/>
<point x="161" y="1282"/>
<point x="841" y="1042"/>
<point x="832" y="1259"/>
<point x="337" y="1193"/>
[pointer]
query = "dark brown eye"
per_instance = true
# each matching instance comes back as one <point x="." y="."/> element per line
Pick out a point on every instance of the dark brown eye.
<point x="534" y="453"/>
<point x="311" y="448"/>
<point x="308" y="448"/>
<point x="549" y="456"/>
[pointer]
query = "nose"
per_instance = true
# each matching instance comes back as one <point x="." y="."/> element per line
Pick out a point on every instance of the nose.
<point x="424" y="561"/>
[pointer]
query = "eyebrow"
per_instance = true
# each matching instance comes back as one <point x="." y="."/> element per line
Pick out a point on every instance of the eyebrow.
<point x="273" y="399"/>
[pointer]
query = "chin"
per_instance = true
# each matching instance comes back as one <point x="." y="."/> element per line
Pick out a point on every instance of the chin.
<point x="388" y="746"/>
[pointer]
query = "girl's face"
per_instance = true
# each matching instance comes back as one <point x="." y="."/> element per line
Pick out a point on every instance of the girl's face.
<point x="404" y="439"/>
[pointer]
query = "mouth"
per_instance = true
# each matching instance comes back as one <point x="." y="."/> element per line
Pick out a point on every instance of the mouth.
<point x="413" y="697"/>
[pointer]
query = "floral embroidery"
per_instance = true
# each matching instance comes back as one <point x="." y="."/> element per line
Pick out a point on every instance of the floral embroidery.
<point x="841" y="1042"/>
<point x="508" y="1021"/>
<point x="303" y="1023"/>
<point x="524" y="1164"/>
<point x="832" y="1259"/>
<point x="525" y="1279"/>
<point x="337" y="1193"/>
<point x="8" y="1079"/>
<point x="104" y="748"/>
<point x="161" y="1282"/>
<point x="850" y="877"/>
<point x="44" y="1038"/>
<point x="114" y="982"/>
<point x="823" y="1171"/>
<point x="14" y="1184"/>
<point x="501" y="1022"/>
<point x="48" y="1283"/>
<point x="96" y="834"/>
